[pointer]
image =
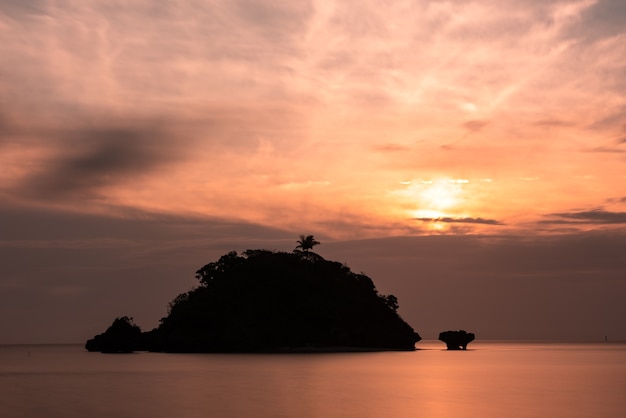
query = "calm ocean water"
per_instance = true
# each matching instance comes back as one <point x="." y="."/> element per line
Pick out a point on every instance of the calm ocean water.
<point x="492" y="379"/>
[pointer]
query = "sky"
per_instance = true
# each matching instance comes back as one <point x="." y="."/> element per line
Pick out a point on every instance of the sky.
<point x="468" y="156"/>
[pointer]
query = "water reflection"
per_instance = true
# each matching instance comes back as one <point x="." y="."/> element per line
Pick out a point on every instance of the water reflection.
<point x="489" y="380"/>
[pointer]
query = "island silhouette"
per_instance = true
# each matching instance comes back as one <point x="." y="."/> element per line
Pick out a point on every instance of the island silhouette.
<point x="268" y="301"/>
<point x="456" y="340"/>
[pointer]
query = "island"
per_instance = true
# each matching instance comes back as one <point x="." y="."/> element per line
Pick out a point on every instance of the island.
<point x="123" y="336"/>
<point x="268" y="301"/>
<point x="456" y="340"/>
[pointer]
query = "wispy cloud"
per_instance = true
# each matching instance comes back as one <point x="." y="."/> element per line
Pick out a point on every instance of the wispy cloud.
<point x="597" y="216"/>
<point x="475" y="125"/>
<point x="461" y="220"/>
<point x="391" y="147"/>
<point x="553" y="123"/>
<point x="610" y="150"/>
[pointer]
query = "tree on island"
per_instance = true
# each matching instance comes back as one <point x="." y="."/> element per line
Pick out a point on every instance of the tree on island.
<point x="262" y="300"/>
<point x="306" y="243"/>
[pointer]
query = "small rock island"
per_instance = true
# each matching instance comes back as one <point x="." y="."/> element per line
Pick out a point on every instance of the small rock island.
<point x="123" y="336"/>
<point x="456" y="340"/>
<point x="266" y="301"/>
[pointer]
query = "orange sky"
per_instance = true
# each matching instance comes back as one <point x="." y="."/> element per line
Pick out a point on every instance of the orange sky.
<point x="353" y="119"/>
<point x="457" y="151"/>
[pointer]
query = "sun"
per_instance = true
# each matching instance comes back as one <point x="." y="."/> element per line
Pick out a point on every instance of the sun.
<point x="438" y="199"/>
<point x="434" y="199"/>
<point x="439" y="196"/>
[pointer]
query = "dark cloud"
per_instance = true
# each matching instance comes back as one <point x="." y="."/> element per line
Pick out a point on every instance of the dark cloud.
<point x="19" y="8"/>
<point x="597" y="216"/>
<point x="36" y="224"/>
<point x="461" y="220"/>
<point x="275" y="18"/>
<point x="79" y="160"/>
<point x="605" y="18"/>
<point x="616" y="200"/>
<point x="88" y="159"/>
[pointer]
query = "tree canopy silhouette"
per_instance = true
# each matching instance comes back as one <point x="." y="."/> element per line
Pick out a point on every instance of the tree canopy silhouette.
<point x="277" y="301"/>
<point x="306" y="243"/>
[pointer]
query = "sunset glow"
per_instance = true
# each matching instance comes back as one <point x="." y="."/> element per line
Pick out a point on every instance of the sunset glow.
<point x="316" y="105"/>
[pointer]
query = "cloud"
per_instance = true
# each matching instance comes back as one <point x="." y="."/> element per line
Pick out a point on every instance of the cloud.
<point x="597" y="216"/>
<point x="26" y="224"/>
<point x="4" y="128"/>
<point x="604" y="19"/>
<point x="391" y="147"/>
<point x="475" y="125"/>
<point x="90" y="158"/>
<point x="461" y="220"/>
<point x="19" y="9"/>
<point x="613" y="118"/>
<point x="616" y="200"/>
<point x="609" y="150"/>
<point x="274" y="19"/>
<point x="111" y="160"/>
<point x="553" y="123"/>
<point x="615" y="146"/>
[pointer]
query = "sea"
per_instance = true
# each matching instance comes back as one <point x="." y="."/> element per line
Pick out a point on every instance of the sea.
<point x="490" y="379"/>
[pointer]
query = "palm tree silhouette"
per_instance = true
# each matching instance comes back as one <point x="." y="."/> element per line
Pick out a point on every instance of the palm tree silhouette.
<point x="306" y="243"/>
